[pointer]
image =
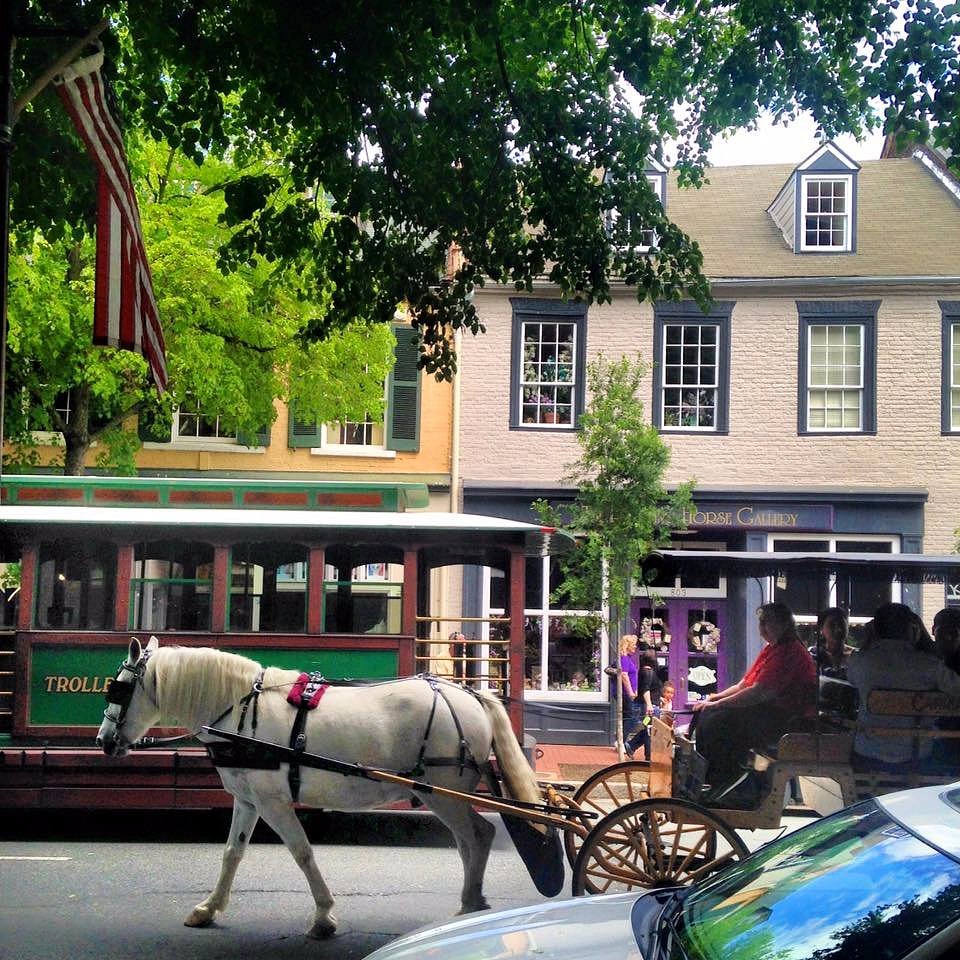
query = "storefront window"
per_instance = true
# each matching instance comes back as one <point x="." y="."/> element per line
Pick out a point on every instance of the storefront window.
<point x="75" y="585"/>
<point x="172" y="585"/>
<point x="268" y="588"/>
<point x="562" y="652"/>
<point x="808" y="593"/>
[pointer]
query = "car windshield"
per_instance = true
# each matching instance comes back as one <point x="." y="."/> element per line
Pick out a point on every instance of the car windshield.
<point x="853" y="885"/>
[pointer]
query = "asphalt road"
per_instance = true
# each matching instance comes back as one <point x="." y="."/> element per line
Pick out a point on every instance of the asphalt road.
<point x="113" y="886"/>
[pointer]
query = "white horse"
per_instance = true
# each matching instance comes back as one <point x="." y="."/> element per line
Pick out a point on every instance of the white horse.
<point x="382" y="726"/>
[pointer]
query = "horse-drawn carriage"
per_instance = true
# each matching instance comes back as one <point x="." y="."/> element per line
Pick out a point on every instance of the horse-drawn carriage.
<point x="633" y="825"/>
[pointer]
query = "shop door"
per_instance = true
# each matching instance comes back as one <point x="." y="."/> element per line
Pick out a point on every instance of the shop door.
<point x="696" y="664"/>
<point x="688" y="637"/>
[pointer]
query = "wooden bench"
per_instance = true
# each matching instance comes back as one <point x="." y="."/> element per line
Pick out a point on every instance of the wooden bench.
<point x="921" y="708"/>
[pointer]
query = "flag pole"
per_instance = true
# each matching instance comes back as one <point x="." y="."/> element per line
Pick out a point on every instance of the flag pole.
<point x="9" y="113"/>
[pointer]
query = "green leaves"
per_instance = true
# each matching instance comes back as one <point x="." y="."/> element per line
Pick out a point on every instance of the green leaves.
<point x="486" y="125"/>
<point x="622" y="511"/>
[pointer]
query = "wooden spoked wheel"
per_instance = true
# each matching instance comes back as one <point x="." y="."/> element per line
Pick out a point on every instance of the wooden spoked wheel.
<point x="604" y="792"/>
<point x="654" y="843"/>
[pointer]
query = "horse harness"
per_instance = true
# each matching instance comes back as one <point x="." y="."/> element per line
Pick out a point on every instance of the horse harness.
<point x="304" y="696"/>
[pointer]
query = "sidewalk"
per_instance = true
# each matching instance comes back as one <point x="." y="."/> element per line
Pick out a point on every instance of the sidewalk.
<point x="561" y="761"/>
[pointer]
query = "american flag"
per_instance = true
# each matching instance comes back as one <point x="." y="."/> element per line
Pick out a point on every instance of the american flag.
<point x="125" y="312"/>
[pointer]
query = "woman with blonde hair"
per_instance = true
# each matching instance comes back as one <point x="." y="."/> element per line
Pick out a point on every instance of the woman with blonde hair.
<point x="628" y="681"/>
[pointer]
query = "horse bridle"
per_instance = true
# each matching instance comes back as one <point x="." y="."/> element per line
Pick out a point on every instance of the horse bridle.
<point x="120" y="691"/>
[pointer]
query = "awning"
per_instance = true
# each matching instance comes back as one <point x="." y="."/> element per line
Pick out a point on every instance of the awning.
<point x="906" y="567"/>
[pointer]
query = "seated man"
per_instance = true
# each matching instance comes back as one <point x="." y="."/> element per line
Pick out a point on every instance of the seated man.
<point x="896" y="656"/>
<point x="777" y="694"/>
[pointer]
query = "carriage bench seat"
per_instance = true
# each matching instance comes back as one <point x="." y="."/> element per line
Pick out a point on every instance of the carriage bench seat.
<point x="827" y="742"/>
<point x="920" y="708"/>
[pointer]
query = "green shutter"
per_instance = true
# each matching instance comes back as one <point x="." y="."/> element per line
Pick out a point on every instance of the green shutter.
<point x="302" y="433"/>
<point x="254" y="438"/>
<point x="403" y="393"/>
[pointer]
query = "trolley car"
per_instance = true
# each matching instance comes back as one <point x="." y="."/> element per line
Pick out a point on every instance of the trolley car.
<point x="335" y="577"/>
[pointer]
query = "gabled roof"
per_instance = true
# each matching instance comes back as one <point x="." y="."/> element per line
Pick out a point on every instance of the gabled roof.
<point x="908" y="224"/>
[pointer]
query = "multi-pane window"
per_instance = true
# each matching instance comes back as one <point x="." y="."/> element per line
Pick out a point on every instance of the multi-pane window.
<point x="809" y="593"/>
<point x="365" y="433"/>
<point x="561" y="655"/>
<point x="826" y="213"/>
<point x="549" y="374"/>
<point x="955" y="376"/>
<point x="191" y="423"/>
<point x="835" y="378"/>
<point x="64" y="405"/>
<point x="690" y="375"/>
<point x="645" y="238"/>
<point x="171" y="586"/>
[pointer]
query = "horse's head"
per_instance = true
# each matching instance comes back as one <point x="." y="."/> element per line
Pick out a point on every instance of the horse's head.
<point x="131" y="702"/>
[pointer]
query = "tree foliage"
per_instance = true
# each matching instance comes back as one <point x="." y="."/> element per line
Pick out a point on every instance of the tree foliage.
<point x="234" y="341"/>
<point x="482" y="123"/>
<point x="622" y="511"/>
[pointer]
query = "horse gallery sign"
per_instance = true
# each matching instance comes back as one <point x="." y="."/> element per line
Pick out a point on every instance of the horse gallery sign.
<point x="797" y="517"/>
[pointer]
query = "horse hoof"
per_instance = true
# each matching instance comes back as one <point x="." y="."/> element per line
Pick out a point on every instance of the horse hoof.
<point x="322" y="930"/>
<point x="200" y="917"/>
<point x="473" y="908"/>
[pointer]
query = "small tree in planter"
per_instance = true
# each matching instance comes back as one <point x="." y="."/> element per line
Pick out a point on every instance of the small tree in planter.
<point x="622" y="510"/>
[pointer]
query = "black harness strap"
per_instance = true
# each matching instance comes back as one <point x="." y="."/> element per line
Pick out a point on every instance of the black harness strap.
<point x="298" y="733"/>
<point x="464" y="758"/>
<point x="253" y="695"/>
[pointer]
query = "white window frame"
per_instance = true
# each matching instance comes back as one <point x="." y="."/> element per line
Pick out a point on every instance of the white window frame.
<point x="859" y="388"/>
<point x="547" y="388"/>
<point x="544" y="613"/>
<point x="954" y="386"/>
<point x="210" y="444"/>
<point x="896" y="592"/>
<point x="847" y="215"/>
<point x="715" y="386"/>
<point x="680" y="590"/>
<point x="656" y="182"/>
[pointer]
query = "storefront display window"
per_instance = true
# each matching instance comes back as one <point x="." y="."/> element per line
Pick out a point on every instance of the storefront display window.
<point x="563" y="655"/>
<point x="808" y="593"/>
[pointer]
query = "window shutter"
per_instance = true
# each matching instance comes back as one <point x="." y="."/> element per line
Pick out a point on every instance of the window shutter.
<point x="301" y="433"/>
<point x="254" y="438"/>
<point x="403" y="393"/>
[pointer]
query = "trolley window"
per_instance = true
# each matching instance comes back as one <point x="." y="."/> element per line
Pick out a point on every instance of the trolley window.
<point x="75" y="585"/>
<point x="171" y="586"/>
<point x="364" y="598"/>
<point x="268" y="588"/>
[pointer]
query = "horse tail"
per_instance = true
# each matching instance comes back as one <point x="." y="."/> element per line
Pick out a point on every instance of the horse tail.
<point x="518" y="777"/>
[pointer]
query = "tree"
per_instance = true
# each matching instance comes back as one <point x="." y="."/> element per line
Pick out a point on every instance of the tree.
<point x="234" y="340"/>
<point x="482" y="124"/>
<point x="622" y="511"/>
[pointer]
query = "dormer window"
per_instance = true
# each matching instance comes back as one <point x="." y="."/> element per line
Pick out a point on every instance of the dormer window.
<point x="827" y="210"/>
<point x="629" y="232"/>
<point x="816" y="209"/>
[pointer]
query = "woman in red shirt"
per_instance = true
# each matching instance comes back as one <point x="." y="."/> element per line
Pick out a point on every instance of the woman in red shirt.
<point x="777" y="694"/>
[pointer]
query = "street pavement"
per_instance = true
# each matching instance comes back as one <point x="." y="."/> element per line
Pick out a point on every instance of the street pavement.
<point x="113" y="886"/>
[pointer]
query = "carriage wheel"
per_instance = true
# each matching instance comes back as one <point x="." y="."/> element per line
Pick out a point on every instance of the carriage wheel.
<point x="604" y="792"/>
<point x="654" y="843"/>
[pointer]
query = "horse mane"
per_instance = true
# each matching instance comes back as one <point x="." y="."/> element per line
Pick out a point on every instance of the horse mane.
<point x="193" y="684"/>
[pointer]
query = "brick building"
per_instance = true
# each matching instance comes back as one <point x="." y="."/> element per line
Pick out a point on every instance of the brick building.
<point x="817" y="407"/>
